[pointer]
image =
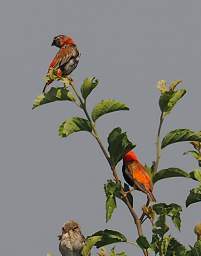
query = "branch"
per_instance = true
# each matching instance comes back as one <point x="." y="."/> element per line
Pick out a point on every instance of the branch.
<point x="113" y="169"/>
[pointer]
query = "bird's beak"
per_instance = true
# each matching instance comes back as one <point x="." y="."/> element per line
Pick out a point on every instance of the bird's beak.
<point x="53" y="43"/>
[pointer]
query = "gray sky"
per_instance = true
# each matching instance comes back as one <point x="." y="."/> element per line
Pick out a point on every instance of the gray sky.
<point x="128" y="45"/>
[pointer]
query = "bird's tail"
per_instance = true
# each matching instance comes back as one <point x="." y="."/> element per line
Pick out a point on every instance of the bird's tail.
<point x="49" y="82"/>
<point x="151" y="196"/>
<point x="45" y="87"/>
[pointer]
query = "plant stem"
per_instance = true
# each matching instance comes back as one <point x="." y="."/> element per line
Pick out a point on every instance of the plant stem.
<point x="158" y="143"/>
<point x="114" y="172"/>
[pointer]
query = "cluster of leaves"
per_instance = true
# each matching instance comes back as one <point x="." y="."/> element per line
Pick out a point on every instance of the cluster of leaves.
<point x="119" y="144"/>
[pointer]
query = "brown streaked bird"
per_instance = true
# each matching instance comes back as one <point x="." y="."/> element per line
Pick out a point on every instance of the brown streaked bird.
<point x="71" y="239"/>
<point x="66" y="59"/>
<point x="136" y="175"/>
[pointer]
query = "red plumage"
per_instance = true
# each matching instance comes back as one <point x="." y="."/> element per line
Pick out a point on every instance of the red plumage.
<point x="66" y="59"/>
<point x="136" y="175"/>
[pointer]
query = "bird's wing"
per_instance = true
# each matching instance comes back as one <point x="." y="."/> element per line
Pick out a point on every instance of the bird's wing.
<point x="63" y="56"/>
<point x="139" y="174"/>
<point x="69" y="52"/>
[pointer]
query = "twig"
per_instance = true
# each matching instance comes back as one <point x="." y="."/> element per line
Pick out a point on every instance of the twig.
<point x="158" y="144"/>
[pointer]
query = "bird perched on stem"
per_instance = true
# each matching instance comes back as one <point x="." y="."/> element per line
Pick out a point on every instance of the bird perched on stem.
<point x="136" y="175"/>
<point x="65" y="61"/>
<point x="71" y="239"/>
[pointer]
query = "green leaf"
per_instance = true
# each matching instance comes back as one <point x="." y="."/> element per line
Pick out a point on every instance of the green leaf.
<point x="109" y="237"/>
<point x="160" y="226"/>
<point x="174" y="84"/>
<point x="112" y="190"/>
<point x="90" y="242"/>
<point x="169" y="99"/>
<point x="72" y="125"/>
<point x="175" y="248"/>
<point x="180" y="135"/>
<point x="169" y="173"/>
<point x="88" y="85"/>
<point x="119" y="145"/>
<point x="107" y="106"/>
<point x="143" y="242"/>
<point x="164" y="244"/>
<point x="194" y="196"/>
<point x="171" y="210"/>
<point x="113" y="253"/>
<point x="196" y="175"/>
<point x="54" y="94"/>
<point x="194" y="154"/>
<point x="196" y="250"/>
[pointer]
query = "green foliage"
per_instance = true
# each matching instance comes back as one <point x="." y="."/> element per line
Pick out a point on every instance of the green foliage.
<point x="180" y="135"/>
<point x="175" y="248"/>
<point x="74" y="124"/>
<point x="118" y="145"/>
<point x="164" y="244"/>
<point x="196" y="250"/>
<point x="169" y="99"/>
<point x="196" y="175"/>
<point x="90" y="242"/>
<point x="160" y="227"/>
<point x="112" y="190"/>
<point x="88" y="85"/>
<point x="113" y="253"/>
<point x="194" y="196"/>
<point x="169" y="173"/>
<point x="54" y="94"/>
<point x="107" y="106"/>
<point x="171" y="210"/>
<point x="107" y="237"/>
<point x="194" y="154"/>
<point x="169" y="95"/>
<point x="143" y="242"/>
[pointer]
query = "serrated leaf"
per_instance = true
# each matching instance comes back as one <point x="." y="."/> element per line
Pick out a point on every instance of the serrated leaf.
<point x="180" y="135"/>
<point x="118" y="145"/>
<point x="109" y="237"/>
<point x="107" y="106"/>
<point x="112" y="190"/>
<point x="88" y="85"/>
<point x="194" y="196"/>
<point x="90" y="242"/>
<point x="196" y="175"/>
<point x="169" y="173"/>
<point x="54" y="94"/>
<point x="169" y="99"/>
<point x="74" y="124"/>
<point x="143" y="242"/>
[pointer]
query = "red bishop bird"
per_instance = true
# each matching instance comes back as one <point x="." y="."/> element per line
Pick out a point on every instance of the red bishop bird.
<point x="136" y="175"/>
<point x="66" y="59"/>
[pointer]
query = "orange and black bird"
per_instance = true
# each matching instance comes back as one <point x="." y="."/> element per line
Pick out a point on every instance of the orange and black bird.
<point x="136" y="175"/>
<point x="66" y="59"/>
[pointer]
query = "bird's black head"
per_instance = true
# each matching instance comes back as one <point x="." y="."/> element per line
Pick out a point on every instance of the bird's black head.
<point x="58" y="41"/>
